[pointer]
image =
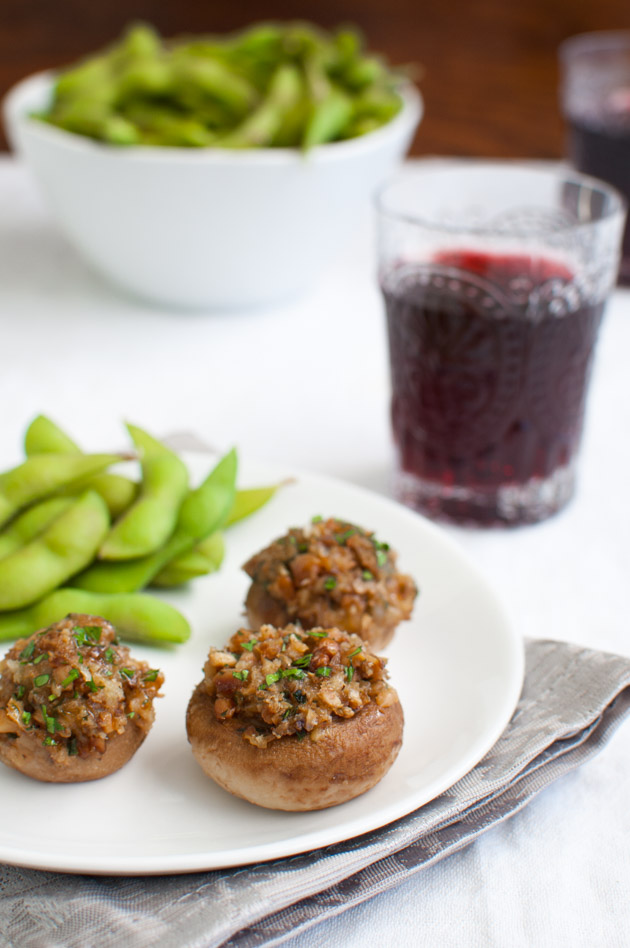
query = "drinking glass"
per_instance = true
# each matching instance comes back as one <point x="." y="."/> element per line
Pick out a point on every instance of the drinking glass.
<point x="494" y="277"/>
<point x="595" y="101"/>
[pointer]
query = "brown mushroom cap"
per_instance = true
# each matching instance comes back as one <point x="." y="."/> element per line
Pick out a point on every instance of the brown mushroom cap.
<point x="27" y="754"/>
<point x="348" y="757"/>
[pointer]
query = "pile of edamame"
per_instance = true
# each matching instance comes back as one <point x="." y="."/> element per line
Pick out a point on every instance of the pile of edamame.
<point x="76" y="537"/>
<point x="273" y="85"/>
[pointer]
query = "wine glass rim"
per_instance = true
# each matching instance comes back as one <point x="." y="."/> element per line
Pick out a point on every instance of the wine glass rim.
<point x="617" y="205"/>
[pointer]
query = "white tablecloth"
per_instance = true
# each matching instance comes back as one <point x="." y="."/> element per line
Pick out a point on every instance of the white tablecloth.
<point x="306" y="385"/>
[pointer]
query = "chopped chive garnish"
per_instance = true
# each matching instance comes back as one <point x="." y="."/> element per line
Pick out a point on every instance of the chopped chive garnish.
<point x="349" y="672"/>
<point x="356" y="651"/>
<point x="26" y="717"/>
<point x="72" y="747"/>
<point x="41" y="680"/>
<point x="249" y="646"/>
<point x="40" y="658"/>
<point x="342" y="537"/>
<point x="109" y="655"/>
<point x="317" y="518"/>
<point x="273" y="678"/>
<point x="302" y="547"/>
<point x="381" y="557"/>
<point x="27" y="652"/>
<point x="303" y="661"/>
<point x="242" y="675"/>
<point x="20" y="692"/>
<point x="127" y="672"/>
<point x="324" y="671"/>
<point x="131" y="714"/>
<point x="292" y="673"/>
<point x="70" y="677"/>
<point x="92" y="685"/>
<point x="330" y="582"/>
<point x="51" y="724"/>
<point x="152" y="674"/>
<point x="318" y="635"/>
<point x="367" y="575"/>
<point x="49" y="741"/>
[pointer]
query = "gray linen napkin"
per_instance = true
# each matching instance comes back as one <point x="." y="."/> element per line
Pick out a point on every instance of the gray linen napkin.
<point x="572" y="700"/>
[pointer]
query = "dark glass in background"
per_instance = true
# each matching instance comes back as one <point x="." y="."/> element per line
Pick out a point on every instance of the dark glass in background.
<point x="595" y="99"/>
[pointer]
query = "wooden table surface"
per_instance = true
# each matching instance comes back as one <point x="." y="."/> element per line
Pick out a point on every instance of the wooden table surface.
<point x="488" y="67"/>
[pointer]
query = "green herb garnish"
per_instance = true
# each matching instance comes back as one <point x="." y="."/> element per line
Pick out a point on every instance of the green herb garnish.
<point x="109" y="655"/>
<point x="324" y="671"/>
<point x="292" y="673"/>
<point x="49" y="741"/>
<point x="41" y="680"/>
<point x="241" y="675"/>
<point x="303" y="661"/>
<point x="318" y="635"/>
<point x="40" y="658"/>
<point x="26" y="653"/>
<point x="367" y="575"/>
<point x="26" y="717"/>
<point x="72" y="747"/>
<point x="342" y="537"/>
<point x="273" y="678"/>
<point x="349" y="672"/>
<point x="381" y="557"/>
<point x="330" y="582"/>
<point x="127" y="672"/>
<point x="249" y="646"/>
<point x="72" y="675"/>
<point x="152" y="674"/>
<point x="356" y="651"/>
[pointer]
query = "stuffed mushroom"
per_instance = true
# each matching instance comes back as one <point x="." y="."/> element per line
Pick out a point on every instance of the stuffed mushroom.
<point x="292" y="719"/>
<point x="331" y="573"/>
<point x="74" y="704"/>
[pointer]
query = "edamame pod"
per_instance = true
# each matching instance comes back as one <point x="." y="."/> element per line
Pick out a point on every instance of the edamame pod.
<point x="203" y="511"/>
<point x="248" y="501"/>
<point x="205" y="558"/>
<point x="28" y="524"/>
<point x="150" y="521"/>
<point x="265" y="122"/>
<point x="67" y="545"/>
<point x="43" y="436"/>
<point x="44" y="474"/>
<point x="137" y="617"/>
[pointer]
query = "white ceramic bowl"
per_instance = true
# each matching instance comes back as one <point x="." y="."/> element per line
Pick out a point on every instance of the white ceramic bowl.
<point x="205" y="228"/>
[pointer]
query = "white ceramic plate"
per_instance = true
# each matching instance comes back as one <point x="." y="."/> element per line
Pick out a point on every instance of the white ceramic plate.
<point x="457" y="665"/>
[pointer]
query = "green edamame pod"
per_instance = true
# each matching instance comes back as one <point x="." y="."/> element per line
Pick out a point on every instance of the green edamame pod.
<point x="118" y="492"/>
<point x="328" y="119"/>
<point x="150" y="521"/>
<point x="137" y="617"/>
<point x="248" y="501"/>
<point x="67" y="545"/>
<point x="203" y="512"/>
<point x="43" y="436"/>
<point x="44" y="474"/>
<point x="28" y="524"/>
<point x="205" y="558"/>
<point x="265" y="122"/>
<point x="174" y="575"/>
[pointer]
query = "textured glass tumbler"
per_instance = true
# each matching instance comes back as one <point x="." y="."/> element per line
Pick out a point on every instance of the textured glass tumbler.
<point x="495" y="277"/>
<point x="595" y="101"/>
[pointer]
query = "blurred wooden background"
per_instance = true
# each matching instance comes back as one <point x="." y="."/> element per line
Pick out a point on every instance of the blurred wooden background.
<point x="489" y="66"/>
